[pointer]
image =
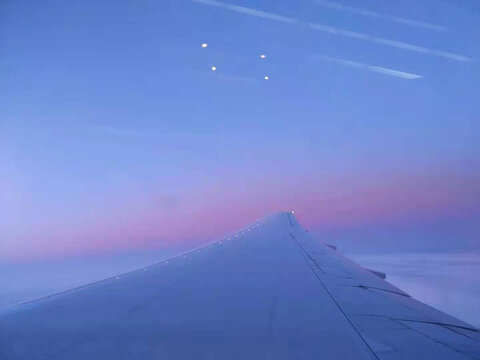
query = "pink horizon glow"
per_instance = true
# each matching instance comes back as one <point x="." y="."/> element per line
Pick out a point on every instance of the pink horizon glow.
<point x="208" y="213"/>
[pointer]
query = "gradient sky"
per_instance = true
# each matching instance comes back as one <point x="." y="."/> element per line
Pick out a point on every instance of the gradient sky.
<point x="115" y="135"/>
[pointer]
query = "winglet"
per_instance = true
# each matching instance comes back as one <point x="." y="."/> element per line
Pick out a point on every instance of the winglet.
<point x="380" y="274"/>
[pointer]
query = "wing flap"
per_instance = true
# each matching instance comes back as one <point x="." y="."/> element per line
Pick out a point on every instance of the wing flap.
<point x="395" y="325"/>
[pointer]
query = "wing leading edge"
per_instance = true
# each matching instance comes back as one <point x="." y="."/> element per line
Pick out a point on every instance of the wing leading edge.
<point x="270" y="291"/>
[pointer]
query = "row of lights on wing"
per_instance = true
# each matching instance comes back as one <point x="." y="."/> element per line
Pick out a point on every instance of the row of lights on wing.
<point x="214" y="68"/>
<point x="229" y="238"/>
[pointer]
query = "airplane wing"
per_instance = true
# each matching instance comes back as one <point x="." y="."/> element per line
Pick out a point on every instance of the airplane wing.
<point x="270" y="291"/>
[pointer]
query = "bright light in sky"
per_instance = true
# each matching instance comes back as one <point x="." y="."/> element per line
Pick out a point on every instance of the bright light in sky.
<point x="263" y="56"/>
<point x="214" y="68"/>
<point x="266" y="78"/>
<point x="204" y="45"/>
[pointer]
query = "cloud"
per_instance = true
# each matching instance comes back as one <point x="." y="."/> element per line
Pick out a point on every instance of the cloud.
<point x="140" y="133"/>
<point x="442" y="280"/>
<point x="233" y="77"/>
<point x="377" y="69"/>
<point x="118" y="131"/>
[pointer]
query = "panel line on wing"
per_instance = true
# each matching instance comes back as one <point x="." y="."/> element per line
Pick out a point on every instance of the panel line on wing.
<point x="366" y="287"/>
<point x="304" y="254"/>
<point x="424" y="322"/>
<point x="444" y="343"/>
<point x="452" y="328"/>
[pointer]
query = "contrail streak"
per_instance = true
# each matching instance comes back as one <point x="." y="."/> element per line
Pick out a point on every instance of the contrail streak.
<point x="233" y="77"/>
<point x="375" y="14"/>
<point x="337" y="31"/>
<point x="391" y="43"/>
<point x="377" y="69"/>
<point x="248" y="11"/>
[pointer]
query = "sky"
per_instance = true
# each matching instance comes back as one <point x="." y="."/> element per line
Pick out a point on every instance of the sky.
<point x="116" y="136"/>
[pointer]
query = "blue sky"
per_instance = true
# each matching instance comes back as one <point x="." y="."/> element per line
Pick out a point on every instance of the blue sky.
<point x="107" y="103"/>
<point x="120" y="146"/>
<point x="116" y="135"/>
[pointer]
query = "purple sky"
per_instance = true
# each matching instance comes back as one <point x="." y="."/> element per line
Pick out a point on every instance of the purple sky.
<point x="117" y="137"/>
<point x="438" y="212"/>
